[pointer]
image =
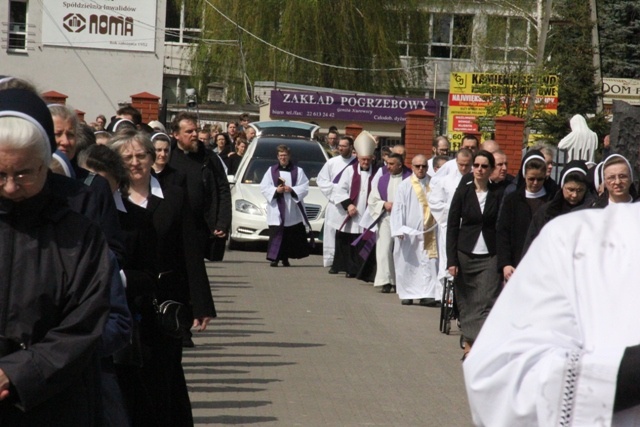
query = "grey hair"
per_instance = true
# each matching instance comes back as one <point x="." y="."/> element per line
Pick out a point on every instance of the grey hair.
<point x="19" y="134"/>
<point x="65" y="113"/>
<point x="127" y="136"/>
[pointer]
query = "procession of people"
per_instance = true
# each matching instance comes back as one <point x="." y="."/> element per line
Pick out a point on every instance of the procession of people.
<point x="111" y="239"/>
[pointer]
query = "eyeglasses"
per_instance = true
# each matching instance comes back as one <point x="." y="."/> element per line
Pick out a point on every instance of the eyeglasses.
<point x="481" y="165"/>
<point x="534" y="179"/>
<point x="23" y="179"/>
<point x="420" y="166"/>
<point x="612" y="178"/>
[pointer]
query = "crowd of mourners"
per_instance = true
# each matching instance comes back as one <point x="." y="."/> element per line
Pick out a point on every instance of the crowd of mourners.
<point x="105" y="231"/>
<point x="461" y="218"/>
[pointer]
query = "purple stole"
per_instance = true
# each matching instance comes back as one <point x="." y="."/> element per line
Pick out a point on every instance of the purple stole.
<point x="354" y="192"/>
<point x="383" y="183"/>
<point x="337" y="178"/>
<point x="369" y="237"/>
<point x="276" y="240"/>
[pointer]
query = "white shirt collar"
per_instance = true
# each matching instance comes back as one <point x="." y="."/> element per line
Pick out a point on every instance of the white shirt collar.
<point x="156" y="190"/>
<point x="117" y="198"/>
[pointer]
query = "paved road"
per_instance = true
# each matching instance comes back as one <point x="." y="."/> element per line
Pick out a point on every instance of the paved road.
<point x="299" y="347"/>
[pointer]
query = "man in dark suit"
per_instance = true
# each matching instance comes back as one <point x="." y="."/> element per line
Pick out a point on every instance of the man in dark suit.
<point x="207" y="185"/>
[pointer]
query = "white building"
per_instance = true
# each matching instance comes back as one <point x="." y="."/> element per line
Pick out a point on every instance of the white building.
<point x="97" y="52"/>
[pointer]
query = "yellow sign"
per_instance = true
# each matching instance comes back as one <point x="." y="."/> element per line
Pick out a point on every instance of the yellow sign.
<point x="472" y="94"/>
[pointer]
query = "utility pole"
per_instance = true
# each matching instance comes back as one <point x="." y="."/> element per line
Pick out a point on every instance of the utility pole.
<point x="595" y="41"/>
<point x="543" y="17"/>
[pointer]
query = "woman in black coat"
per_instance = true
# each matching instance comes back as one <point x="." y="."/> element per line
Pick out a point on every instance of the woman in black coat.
<point x="471" y="247"/>
<point x="182" y="277"/>
<point x="518" y="209"/>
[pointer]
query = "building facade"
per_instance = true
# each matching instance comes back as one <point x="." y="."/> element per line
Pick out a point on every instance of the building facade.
<point x="96" y="52"/>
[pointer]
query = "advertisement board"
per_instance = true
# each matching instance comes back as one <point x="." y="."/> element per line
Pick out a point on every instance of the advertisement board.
<point x="471" y="94"/>
<point x="627" y="90"/>
<point x="351" y="108"/>
<point x="100" y="24"/>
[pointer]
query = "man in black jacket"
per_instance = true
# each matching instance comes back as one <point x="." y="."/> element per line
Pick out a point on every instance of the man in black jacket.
<point x="207" y="185"/>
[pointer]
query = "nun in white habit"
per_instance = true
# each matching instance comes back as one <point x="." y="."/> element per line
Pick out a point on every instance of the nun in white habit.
<point x="561" y="345"/>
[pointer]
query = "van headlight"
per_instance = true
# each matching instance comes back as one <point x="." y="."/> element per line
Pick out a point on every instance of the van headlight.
<point x="247" y="207"/>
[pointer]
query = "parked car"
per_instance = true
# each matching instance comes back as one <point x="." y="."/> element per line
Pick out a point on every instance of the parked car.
<point x="249" y="218"/>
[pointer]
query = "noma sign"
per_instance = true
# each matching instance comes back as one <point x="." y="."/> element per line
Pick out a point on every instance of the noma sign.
<point x="346" y="107"/>
<point x="100" y="24"/>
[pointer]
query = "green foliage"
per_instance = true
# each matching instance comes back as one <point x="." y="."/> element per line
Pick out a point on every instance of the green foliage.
<point x="347" y="33"/>
<point x="569" y="46"/>
<point x="619" y="24"/>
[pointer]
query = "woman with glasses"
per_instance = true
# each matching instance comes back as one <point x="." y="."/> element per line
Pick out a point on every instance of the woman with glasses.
<point x="181" y="277"/>
<point x="471" y="246"/>
<point x="518" y="208"/>
<point x="575" y="193"/>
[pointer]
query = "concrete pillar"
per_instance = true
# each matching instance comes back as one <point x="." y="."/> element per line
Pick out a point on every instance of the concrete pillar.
<point x="147" y="104"/>
<point x="419" y="134"/>
<point x="510" y="136"/>
<point x="53" y="97"/>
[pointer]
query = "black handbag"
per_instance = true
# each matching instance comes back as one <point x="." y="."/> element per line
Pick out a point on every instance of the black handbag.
<point x="172" y="317"/>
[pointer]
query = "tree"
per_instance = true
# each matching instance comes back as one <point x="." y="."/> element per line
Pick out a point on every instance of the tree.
<point x="357" y="38"/>
<point x="619" y="24"/>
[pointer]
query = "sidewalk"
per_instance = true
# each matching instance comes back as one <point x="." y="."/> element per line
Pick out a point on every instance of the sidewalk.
<point x="299" y="347"/>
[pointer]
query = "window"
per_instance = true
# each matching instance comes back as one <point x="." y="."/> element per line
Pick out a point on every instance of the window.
<point x="509" y="39"/>
<point x="180" y="26"/>
<point x="442" y="35"/>
<point x="17" y="25"/>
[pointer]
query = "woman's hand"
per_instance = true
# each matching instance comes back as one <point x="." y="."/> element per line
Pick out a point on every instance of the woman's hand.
<point x="507" y="271"/>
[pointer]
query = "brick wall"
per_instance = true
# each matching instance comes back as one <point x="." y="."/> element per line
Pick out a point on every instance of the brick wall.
<point x="510" y="135"/>
<point x="419" y="134"/>
<point x="53" y="97"/>
<point x="353" y="130"/>
<point x="147" y="104"/>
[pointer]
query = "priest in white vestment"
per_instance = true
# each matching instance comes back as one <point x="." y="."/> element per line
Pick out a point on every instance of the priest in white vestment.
<point x="328" y="182"/>
<point x="413" y="228"/>
<point x="561" y="345"/>
<point x="443" y="185"/>
<point x="285" y="186"/>
<point x="351" y="196"/>
<point x="381" y="198"/>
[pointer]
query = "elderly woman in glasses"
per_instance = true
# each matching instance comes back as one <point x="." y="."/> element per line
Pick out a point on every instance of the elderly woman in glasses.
<point x="55" y="280"/>
<point x="518" y="209"/>
<point x="181" y="277"/>
<point x="471" y="246"/>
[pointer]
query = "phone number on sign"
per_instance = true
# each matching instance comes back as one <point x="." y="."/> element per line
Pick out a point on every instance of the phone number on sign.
<point x="320" y="114"/>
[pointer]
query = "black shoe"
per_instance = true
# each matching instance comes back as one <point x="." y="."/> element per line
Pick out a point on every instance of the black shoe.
<point x="274" y="264"/>
<point x="333" y="271"/>
<point x="406" y="302"/>
<point x="430" y="302"/>
<point x="393" y="289"/>
<point x="349" y="276"/>
<point x="386" y="288"/>
<point x="427" y="302"/>
<point x="285" y="263"/>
